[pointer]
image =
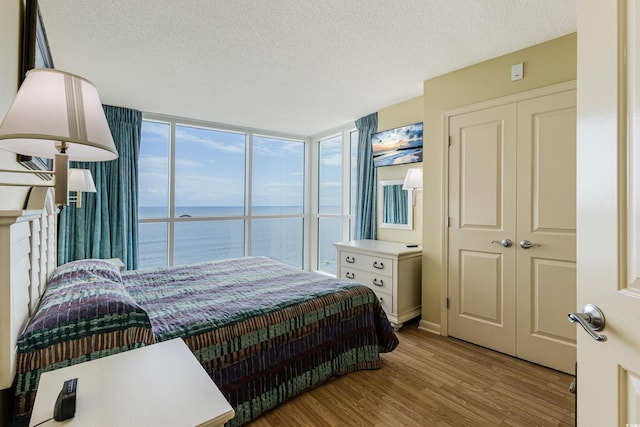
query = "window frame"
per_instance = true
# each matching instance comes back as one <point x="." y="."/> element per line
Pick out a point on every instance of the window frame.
<point x="345" y="216"/>
<point x="248" y="215"/>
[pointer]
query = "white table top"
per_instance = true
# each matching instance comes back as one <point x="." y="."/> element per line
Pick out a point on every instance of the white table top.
<point x="157" y="385"/>
<point x="380" y="246"/>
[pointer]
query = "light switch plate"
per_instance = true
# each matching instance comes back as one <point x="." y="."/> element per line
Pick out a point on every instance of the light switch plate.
<point x="517" y="72"/>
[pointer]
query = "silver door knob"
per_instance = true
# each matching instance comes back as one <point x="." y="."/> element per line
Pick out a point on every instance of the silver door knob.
<point x="506" y="242"/>
<point x="525" y="244"/>
<point x="591" y="319"/>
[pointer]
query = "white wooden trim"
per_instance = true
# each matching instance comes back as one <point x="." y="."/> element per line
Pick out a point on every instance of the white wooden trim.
<point x="510" y="99"/>
<point x="27" y="259"/>
<point x="431" y="327"/>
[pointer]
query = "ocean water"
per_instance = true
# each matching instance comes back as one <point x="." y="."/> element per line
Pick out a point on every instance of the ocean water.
<point x="224" y="237"/>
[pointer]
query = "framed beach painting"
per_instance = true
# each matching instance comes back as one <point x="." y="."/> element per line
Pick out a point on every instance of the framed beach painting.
<point x="397" y="146"/>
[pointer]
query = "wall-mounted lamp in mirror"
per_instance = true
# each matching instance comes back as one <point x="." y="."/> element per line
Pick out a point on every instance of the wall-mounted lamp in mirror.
<point x="395" y="208"/>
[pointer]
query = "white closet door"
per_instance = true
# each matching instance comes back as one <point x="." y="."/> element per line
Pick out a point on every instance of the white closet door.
<point x="512" y="228"/>
<point x="482" y="194"/>
<point x="546" y="274"/>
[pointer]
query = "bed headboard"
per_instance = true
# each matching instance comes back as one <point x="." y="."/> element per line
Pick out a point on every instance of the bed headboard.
<point x="27" y="259"/>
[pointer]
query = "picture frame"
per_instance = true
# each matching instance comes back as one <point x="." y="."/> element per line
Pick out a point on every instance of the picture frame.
<point x="397" y="146"/>
<point x="35" y="54"/>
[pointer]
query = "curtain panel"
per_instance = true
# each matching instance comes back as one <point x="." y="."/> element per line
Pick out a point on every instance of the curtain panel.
<point x="106" y="226"/>
<point x="365" y="227"/>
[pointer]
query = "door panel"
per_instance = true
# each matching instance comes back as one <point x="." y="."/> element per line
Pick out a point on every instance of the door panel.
<point x="544" y="334"/>
<point x="550" y="279"/>
<point x="481" y="149"/>
<point x="481" y="287"/>
<point x="608" y="262"/>
<point x="632" y="396"/>
<point x="546" y="217"/>
<point x="482" y="209"/>
<point x="553" y="151"/>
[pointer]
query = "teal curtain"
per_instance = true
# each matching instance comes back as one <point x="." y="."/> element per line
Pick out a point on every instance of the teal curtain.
<point x="365" y="227"/>
<point x="106" y="226"/>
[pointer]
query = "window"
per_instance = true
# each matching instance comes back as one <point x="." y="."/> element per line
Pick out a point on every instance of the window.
<point x="329" y="201"/>
<point x="208" y="193"/>
<point x="278" y="199"/>
<point x="153" y="194"/>
<point x="209" y="172"/>
<point x="336" y="166"/>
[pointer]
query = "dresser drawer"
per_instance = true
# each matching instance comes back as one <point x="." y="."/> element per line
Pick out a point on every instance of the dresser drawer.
<point x="377" y="264"/>
<point x="386" y="301"/>
<point x="377" y="282"/>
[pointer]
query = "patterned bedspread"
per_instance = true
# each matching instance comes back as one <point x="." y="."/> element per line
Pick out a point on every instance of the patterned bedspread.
<point x="264" y="331"/>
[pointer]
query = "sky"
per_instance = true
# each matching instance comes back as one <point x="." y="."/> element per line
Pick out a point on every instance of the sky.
<point x="402" y="137"/>
<point x="210" y="168"/>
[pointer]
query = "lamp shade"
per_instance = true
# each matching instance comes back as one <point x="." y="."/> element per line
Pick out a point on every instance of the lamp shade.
<point x="80" y="180"/>
<point x="53" y="108"/>
<point x="413" y="179"/>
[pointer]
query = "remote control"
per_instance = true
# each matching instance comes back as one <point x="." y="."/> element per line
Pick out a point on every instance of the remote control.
<point x="65" y="407"/>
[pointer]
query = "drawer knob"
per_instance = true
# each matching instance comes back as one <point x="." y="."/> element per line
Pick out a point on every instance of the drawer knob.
<point x="349" y="275"/>
<point x="350" y="259"/>
<point x="378" y="265"/>
<point x="378" y="282"/>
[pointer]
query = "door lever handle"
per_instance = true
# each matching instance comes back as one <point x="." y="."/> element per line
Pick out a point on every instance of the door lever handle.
<point x="506" y="242"/>
<point x="525" y="244"/>
<point x="592" y="320"/>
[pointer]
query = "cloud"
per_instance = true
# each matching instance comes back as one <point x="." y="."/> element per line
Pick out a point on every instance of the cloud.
<point x="187" y="164"/>
<point x="272" y="147"/>
<point x="199" y="190"/>
<point x="184" y="136"/>
<point x="332" y="160"/>
<point x="153" y="164"/>
<point x="155" y="130"/>
<point x="152" y="188"/>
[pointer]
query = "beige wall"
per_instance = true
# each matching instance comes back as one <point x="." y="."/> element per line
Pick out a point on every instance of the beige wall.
<point x="402" y="114"/>
<point x="544" y="64"/>
<point x="10" y="18"/>
<point x="10" y="27"/>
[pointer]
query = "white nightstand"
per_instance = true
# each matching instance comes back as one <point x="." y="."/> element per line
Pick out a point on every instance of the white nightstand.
<point x="157" y="385"/>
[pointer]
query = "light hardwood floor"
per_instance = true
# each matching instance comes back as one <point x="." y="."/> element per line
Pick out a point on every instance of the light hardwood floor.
<point x="434" y="381"/>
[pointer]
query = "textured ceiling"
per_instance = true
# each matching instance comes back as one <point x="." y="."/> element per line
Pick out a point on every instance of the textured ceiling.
<point x="296" y="66"/>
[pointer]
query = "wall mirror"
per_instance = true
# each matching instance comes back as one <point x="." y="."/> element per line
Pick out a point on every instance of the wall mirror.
<point x="395" y="209"/>
<point x="35" y="54"/>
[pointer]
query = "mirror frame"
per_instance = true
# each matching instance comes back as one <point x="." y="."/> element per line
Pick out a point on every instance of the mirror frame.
<point x="380" y="211"/>
<point x="34" y="39"/>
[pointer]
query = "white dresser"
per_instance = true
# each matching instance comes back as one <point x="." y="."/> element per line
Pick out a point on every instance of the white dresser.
<point x="392" y="270"/>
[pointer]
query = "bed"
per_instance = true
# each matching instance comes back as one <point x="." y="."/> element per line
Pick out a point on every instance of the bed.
<point x="264" y="331"/>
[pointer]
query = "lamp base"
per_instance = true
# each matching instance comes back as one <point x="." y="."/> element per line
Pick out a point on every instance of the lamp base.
<point x="61" y="186"/>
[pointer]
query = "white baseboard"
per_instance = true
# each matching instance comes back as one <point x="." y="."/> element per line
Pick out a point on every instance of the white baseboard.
<point x="434" y="328"/>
